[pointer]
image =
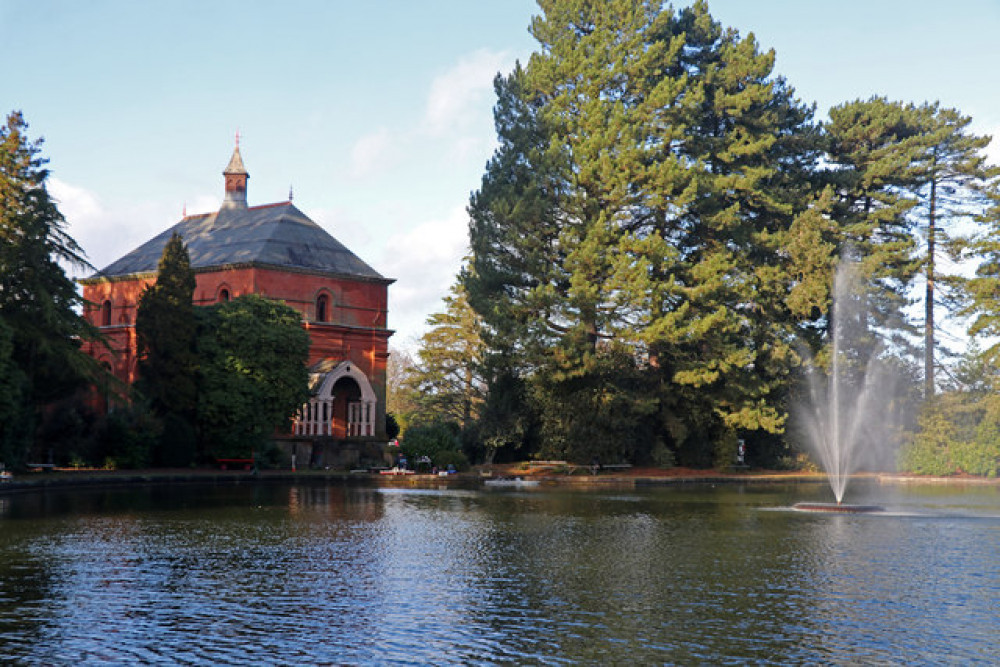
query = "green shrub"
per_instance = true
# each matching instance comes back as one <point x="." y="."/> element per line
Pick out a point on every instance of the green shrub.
<point x="444" y="458"/>
<point x="663" y="456"/>
<point x="928" y="451"/>
<point x="724" y="450"/>
<point x="981" y="456"/>
<point x="129" y="436"/>
<point x="924" y="457"/>
<point x="430" y="439"/>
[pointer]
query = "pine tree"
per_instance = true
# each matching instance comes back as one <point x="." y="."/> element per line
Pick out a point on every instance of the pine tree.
<point x="874" y="148"/>
<point x="40" y="326"/>
<point x="983" y="289"/>
<point x="953" y="187"/>
<point x="662" y="165"/>
<point x="516" y="280"/>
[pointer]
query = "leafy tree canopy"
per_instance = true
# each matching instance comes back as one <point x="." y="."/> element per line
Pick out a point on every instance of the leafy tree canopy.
<point x="253" y="378"/>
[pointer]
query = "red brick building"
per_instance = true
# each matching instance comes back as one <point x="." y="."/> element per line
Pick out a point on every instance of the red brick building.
<point x="276" y="251"/>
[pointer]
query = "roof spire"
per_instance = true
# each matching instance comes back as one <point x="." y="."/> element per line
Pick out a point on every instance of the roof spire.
<point x="236" y="177"/>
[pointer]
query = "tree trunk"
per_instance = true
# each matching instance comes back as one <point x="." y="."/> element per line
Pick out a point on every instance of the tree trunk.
<point x="929" y="296"/>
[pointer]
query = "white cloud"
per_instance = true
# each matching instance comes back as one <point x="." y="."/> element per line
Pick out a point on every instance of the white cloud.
<point x="372" y="152"/>
<point x="457" y="97"/>
<point x="425" y="261"/>
<point x="73" y="201"/>
<point x="342" y="225"/>
<point x="108" y="231"/>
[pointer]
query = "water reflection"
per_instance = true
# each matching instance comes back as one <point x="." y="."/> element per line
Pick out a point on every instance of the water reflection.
<point x="348" y="574"/>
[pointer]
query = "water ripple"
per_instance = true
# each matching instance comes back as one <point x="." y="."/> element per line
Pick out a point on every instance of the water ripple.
<point x="292" y="575"/>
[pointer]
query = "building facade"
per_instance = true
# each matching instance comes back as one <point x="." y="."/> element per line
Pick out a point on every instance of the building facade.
<point x="276" y="251"/>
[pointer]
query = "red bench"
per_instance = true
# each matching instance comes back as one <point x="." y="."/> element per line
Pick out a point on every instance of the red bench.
<point x="225" y="463"/>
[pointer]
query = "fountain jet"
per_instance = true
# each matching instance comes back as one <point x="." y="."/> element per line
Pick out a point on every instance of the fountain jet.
<point x="848" y="413"/>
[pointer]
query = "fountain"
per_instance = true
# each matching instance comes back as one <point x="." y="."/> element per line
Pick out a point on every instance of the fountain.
<point x="848" y="415"/>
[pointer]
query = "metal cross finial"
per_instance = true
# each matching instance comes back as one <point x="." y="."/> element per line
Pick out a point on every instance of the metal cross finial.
<point x="290" y="193"/>
<point x="237" y="137"/>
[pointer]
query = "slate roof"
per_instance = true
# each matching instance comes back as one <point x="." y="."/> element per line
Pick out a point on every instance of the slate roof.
<point x="235" y="165"/>
<point x="274" y="235"/>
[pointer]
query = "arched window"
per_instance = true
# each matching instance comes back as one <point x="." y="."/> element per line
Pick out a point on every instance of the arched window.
<point x="323" y="308"/>
<point x="106" y="313"/>
<point x="223" y="295"/>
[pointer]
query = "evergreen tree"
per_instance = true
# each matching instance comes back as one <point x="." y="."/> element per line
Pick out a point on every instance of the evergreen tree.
<point x="953" y="186"/>
<point x="447" y="382"/>
<point x="983" y="289"/>
<point x="400" y="397"/>
<point x="516" y="280"/>
<point x="649" y="170"/>
<point x="40" y="326"/>
<point x="168" y="364"/>
<point x="874" y="148"/>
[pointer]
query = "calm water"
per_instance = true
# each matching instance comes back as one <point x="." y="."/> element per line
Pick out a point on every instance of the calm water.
<point x="279" y="574"/>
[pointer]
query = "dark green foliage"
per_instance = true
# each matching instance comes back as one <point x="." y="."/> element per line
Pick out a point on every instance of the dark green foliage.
<point x="606" y="413"/>
<point x="177" y="446"/>
<point x="168" y="362"/>
<point x="252" y="353"/>
<point x="165" y="336"/>
<point x="391" y="426"/>
<point x="439" y="441"/>
<point x="67" y="433"/>
<point x="954" y="183"/>
<point x="221" y="379"/>
<point x="40" y="326"/>
<point x="649" y="169"/>
<point x="14" y="407"/>
<point x="508" y="427"/>
<point x="129" y="436"/>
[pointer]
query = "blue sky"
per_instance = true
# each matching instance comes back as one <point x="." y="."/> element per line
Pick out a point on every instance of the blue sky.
<point x="378" y="114"/>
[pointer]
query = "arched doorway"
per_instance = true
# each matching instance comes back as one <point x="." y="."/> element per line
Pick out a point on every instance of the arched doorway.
<point x="342" y="406"/>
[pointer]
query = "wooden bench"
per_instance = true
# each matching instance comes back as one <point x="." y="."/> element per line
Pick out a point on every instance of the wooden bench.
<point x="598" y="468"/>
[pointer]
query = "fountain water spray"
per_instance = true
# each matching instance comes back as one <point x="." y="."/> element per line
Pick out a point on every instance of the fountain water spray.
<point x="848" y="418"/>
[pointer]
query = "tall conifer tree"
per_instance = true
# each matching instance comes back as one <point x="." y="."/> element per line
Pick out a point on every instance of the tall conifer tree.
<point x="953" y="186"/>
<point x="448" y="382"/>
<point x="40" y="325"/>
<point x="168" y="365"/>
<point x="666" y="164"/>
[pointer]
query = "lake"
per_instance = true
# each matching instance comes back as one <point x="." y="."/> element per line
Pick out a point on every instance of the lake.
<point x="276" y="573"/>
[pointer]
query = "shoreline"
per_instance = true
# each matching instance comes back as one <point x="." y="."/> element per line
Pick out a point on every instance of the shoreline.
<point x="40" y="481"/>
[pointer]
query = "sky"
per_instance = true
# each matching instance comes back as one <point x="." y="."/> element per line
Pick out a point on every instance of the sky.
<point x="378" y="114"/>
